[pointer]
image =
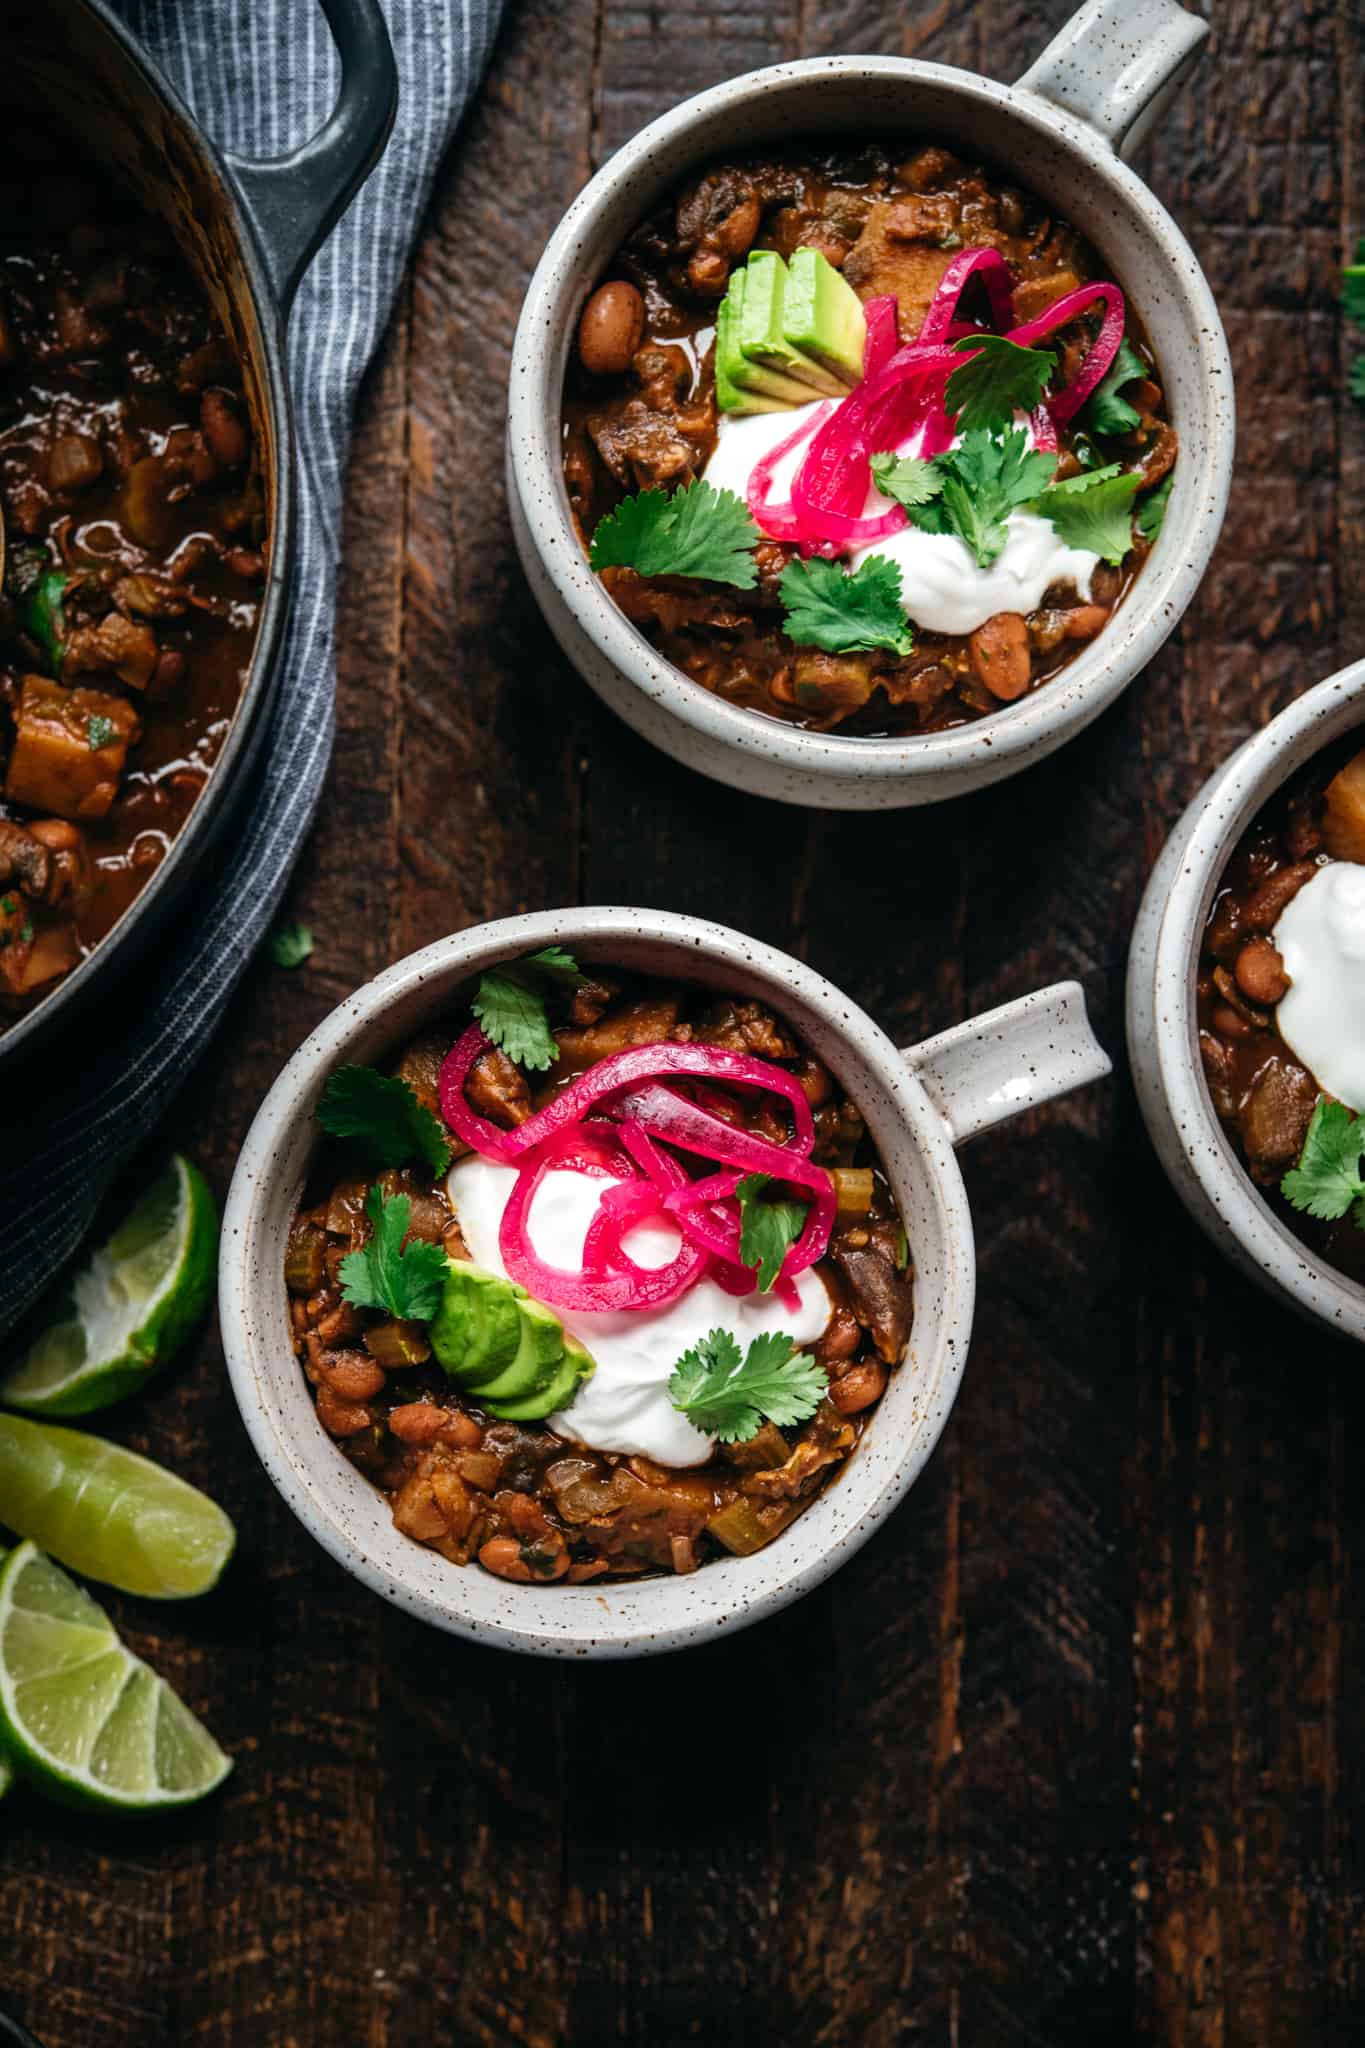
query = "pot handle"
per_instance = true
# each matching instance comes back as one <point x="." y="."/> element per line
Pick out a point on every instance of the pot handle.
<point x="1118" y="64"/>
<point x="293" y="202"/>
<point x="1010" y="1059"/>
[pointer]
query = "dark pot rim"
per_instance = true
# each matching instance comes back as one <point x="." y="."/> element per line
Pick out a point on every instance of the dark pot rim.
<point x="279" y="213"/>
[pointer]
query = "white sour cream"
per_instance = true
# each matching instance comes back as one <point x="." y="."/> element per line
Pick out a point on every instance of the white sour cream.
<point x="943" y="587"/>
<point x="625" y="1405"/>
<point x="1321" y="939"/>
<point x="945" y="590"/>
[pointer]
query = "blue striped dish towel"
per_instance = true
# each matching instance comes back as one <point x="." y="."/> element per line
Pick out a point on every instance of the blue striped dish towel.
<point x="261" y="75"/>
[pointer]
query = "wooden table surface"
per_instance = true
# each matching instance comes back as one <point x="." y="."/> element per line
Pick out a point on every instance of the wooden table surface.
<point x="1072" y="1752"/>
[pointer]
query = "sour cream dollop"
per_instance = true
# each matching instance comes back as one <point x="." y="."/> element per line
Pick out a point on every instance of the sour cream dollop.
<point x="625" y="1405"/>
<point x="1321" y="939"/>
<point x="943" y="587"/>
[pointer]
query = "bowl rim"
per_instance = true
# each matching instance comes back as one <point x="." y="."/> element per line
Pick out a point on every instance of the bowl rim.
<point x="247" y="731"/>
<point x="1038" y="721"/>
<point x="575" y="1625"/>
<point x="1219" y="814"/>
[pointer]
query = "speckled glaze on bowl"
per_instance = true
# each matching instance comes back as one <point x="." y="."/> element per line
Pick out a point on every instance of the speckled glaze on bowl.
<point x="918" y="1104"/>
<point x="1196" y="1152"/>
<point x="1059" y="130"/>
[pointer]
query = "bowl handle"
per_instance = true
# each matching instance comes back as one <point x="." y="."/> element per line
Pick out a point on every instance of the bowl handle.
<point x="1010" y="1059"/>
<point x="293" y="202"/>
<point x="1118" y="64"/>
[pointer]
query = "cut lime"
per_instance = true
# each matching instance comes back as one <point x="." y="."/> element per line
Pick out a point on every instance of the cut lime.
<point x="79" y="1713"/>
<point x="109" y="1513"/>
<point x="131" y="1305"/>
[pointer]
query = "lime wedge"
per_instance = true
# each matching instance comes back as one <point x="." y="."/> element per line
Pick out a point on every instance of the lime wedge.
<point x="109" y="1513"/>
<point x="124" y="1312"/>
<point x="79" y="1713"/>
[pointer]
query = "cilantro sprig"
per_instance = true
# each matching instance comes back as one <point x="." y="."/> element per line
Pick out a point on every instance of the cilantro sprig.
<point x="290" y="944"/>
<point x="1107" y="411"/>
<point x="382" y="1274"/>
<point x="1152" y="516"/>
<point x="842" y="613"/>
<point x="1327" y="1181"/>
<point x="998" y="379"/>
<point x="510" y="1005"/>
<point x="697" y="531"/>
<point x="768" y="1226"/>
<point x="384" y="1115"/>
<point x="1094" y="510"/>
<point x="975" y="487"/>
<point x="729" y="1394"/>
<point x="1353" y="306"/>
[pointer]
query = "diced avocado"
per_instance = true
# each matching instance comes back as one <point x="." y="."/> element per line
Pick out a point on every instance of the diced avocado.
<point x="762" y="339"/>
<point x="742" y="386"/>
<point x="823" y="315"/>
<point x="575" y="1367"/>
<point x="476" y="1331"/>
<point x="538" y="1360"/>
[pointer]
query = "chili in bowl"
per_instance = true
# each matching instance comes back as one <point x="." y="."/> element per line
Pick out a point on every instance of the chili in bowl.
<point x="1245" y="1005"/>
<point x="600" y="1279"/>
<point x="869" y="467"/>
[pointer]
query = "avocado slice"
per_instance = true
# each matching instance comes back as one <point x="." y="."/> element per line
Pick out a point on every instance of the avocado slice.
<point x="762" y="338"/>
<point x="823" y="316"/>
<point x="539" y="1356"/>
<point x="742" y="386"/>
<point x="476" y="1330"/>
<point x="575" y="1367"/>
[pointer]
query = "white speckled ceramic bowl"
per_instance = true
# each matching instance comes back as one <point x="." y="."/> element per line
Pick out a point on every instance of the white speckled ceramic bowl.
<point x="1060" y="131"/>
<point x="918" y="1105"/>
<point x="1163" y="1042"/>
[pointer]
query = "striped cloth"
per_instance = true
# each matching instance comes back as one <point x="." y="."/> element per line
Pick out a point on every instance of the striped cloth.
<point x="261" y="75"/>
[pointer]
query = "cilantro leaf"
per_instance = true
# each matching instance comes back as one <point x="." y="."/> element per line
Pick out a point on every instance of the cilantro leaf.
<point x="909" y="479"/>
<point x="699" y="531"/>
<point x="1153" y="511"/>
<point x="1327" y="1179"/>
<point x="290" y="944"/>
<point x="99" y="730"/>
<point x="560" y="966"/>
<point x="405" y="1283"/>
<point x="385" y="1115"/>
<point x="1105" y="411"/>
<point x="998" y="379"/>
<point x="844" y="613"/>
<point x="984" y="480"/>
<point x="767" y="1229"/>
<point x="729" y="1397"/>
<point x="1353" y="288"/>
<point x="1094" y="511"/>
<point x="510" y="1005"/>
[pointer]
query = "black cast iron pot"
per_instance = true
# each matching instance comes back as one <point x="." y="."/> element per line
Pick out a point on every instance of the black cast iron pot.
<point x="250" y="231"/>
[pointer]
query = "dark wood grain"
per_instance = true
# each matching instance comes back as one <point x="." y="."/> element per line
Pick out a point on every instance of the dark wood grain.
<point x="1073" y="1750"/>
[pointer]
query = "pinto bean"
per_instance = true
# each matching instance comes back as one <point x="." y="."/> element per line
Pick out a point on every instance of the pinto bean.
<point x="1084" y="621"/>
<point x="1260" y="972"/>
<point x="340" y="1417"/>
<point x="418" y="1422"/>
<point x="610" y="328"/>
<point x="858" y="1388"/>
<point x="1000" y="655"/>
<point x="352" y="1375"/>
<point x="1262" y="910"/>
<point x="502" y="1556"/>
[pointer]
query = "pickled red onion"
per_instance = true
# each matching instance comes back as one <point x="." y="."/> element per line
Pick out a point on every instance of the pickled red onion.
<point x="989" y="268"/>
<point x="1100" y="359"/>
